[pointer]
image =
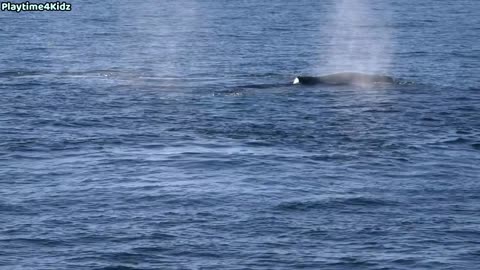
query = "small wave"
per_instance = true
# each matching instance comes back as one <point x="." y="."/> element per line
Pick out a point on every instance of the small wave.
<point x="242" y="89"/>
<point x="227" y="93"/>
<point x="430" y="119"/>
<point x="13" y="208"/>
<point x="461" y="54"/>
<point x="466" y="109"/>
<point x="41" y="242"/>
<point x="277" y="29"/>
<point x="330" y="157"/>
<point x="467" y="233"/>
<point x="122" y="257"/>
<point x="263" y="86"/>
<point x="149" y="250"/>
<point x="162" y="236"/>
<point x="262" y="75"/>
<point x="476" y="146"/>
<point x="405" y="82"/>
<point x="334" y="204"/>
<point x="40" y="73"/>
<point x="472" y="253"/>
<point x="118" y="267"/>
<point x="414" y="53"/>
<point x="459" y="140"/>
<point x="21" y="73"/>
<point x="381" y="111"/>
<point x="352" y="262"/>
<point x="404" y="261"/>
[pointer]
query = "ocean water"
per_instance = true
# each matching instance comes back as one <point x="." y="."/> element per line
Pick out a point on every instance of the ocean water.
<point x="166" y="135"/>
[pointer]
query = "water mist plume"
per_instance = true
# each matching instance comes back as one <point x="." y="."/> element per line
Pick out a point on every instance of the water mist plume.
<point x="359" y="37"/>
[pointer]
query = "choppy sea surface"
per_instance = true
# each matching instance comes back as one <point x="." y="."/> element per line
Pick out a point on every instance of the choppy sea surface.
<point x="166" y="135"/>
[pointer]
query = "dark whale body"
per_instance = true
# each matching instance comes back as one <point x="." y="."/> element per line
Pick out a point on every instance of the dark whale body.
<point x="345" y="78"/>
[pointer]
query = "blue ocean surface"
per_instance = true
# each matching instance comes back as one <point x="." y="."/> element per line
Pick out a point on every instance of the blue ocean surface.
<point x="167" y="135"/>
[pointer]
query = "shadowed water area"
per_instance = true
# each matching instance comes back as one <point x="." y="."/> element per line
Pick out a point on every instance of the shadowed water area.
<point x="148" y="135"/>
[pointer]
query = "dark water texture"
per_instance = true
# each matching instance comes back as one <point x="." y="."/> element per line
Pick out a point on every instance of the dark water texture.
<point x="164" y="135"/>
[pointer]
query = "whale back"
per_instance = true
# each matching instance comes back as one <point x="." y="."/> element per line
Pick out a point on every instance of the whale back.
<point x="345" y="78"/>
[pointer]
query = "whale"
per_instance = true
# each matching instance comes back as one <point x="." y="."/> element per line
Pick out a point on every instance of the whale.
<point x="345" y="78"/>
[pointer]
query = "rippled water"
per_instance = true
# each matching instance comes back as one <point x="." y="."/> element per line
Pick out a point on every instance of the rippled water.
<point x="148" y="135"/>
